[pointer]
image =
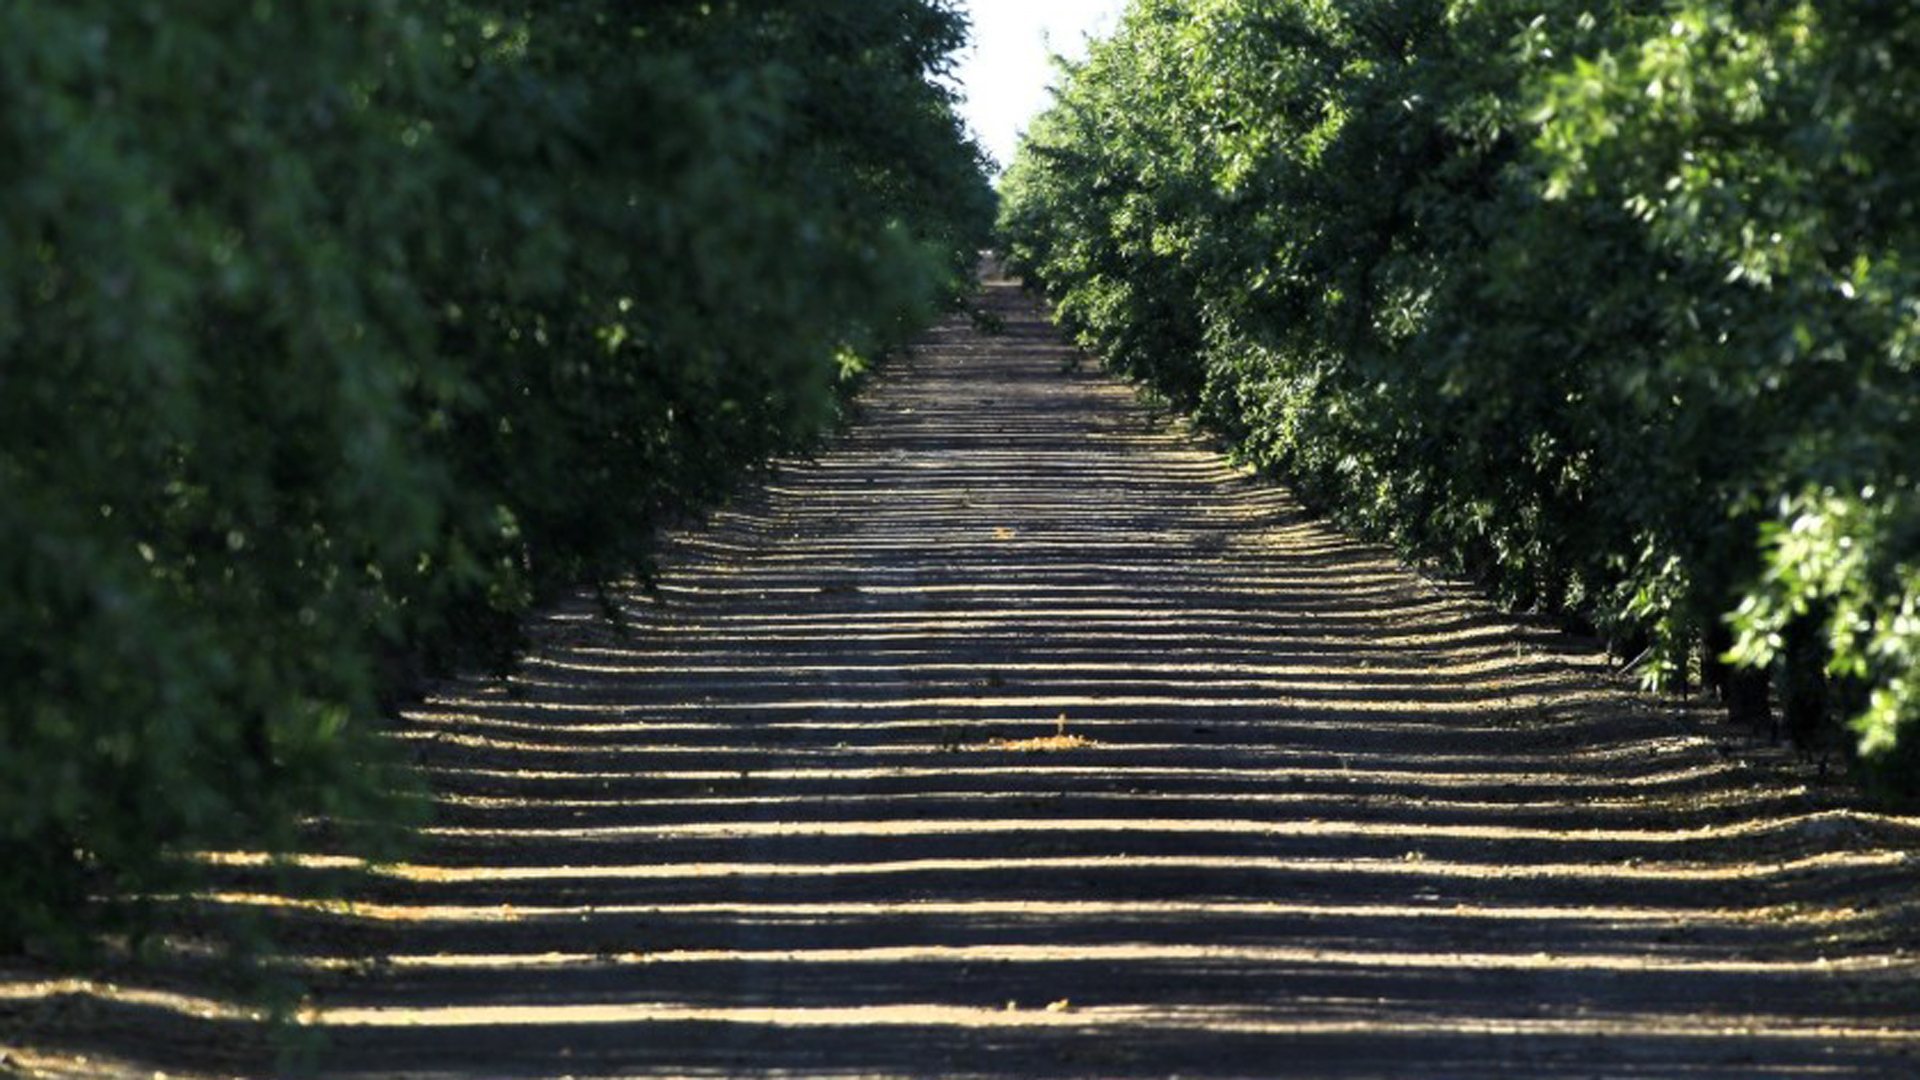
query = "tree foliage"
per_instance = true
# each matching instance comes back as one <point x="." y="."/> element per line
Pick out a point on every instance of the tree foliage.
<point x="1609" y="304"/>
<point x="334" y="334"/>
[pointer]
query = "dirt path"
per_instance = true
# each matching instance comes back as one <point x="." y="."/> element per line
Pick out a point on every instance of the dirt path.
<point x="1284" y="808"/>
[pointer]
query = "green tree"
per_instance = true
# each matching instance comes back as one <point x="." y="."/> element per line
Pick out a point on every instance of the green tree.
<point x="334" y="335"/>
<point x="1604" y="304"/>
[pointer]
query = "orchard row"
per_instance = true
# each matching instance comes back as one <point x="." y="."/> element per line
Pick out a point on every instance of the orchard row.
<point x="1612" y="305"/>
<point x="334" y="333"/>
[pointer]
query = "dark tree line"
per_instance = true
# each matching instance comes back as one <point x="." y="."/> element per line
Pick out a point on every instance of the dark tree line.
<point x="336" y="333"/>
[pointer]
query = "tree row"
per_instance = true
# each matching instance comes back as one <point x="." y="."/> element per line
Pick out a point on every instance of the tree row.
<point x="1612" y="305"/>
<point x="334" y="335"/>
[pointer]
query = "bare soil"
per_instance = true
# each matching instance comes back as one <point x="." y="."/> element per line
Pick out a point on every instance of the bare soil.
<point x="1020" y="733"/>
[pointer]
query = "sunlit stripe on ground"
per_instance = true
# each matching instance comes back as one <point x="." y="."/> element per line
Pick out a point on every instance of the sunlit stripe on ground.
<point x="673" y="658"/>
<point x="1185" y="697"/>
<point x="1165" y="595"/>
<point x="959" y="737"/>
<point x="1309" y="631"/>
<point x="1396" y="830"/>
<point x="655" y="730"/>
<point x="1026" y="910"/>
<point x="1249" y="957"/>
<point x="982" y="766"/>
<point x="703" y="805"/>
<point x="1223" y="1020"/>
<point x="1413" y="865"/>
<point x="1188" y="705"/>
<point x="663" y="671"/>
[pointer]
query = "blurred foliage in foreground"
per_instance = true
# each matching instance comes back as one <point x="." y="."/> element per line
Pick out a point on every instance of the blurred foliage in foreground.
<point x="333" y="334"/>
<point x="1613" y="305"/>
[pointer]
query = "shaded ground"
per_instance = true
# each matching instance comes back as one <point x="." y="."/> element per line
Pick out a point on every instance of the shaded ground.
<point x="1019" y="734"/>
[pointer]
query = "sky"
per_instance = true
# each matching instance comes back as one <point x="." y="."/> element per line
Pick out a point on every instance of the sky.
<point x="1005" y="73"/>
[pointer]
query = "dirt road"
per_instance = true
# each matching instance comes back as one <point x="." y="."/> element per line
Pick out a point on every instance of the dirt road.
<point x="1019" y="734"/>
